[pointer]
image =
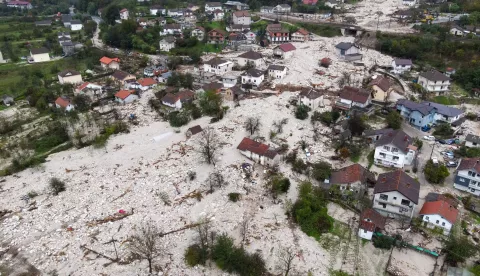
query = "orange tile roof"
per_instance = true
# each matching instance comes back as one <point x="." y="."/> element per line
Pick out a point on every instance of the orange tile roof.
<point x="81" y="87"/>
<point x="63" y="102"/>
<point x="442" y="208"/>
<point x="365" y="225"/>
<point x="146" y="82"/>
<point x="375" y="217"/>
<point x="107" y="60"/>
<point x="123" y="94"/>
<point x="302" y="31"/>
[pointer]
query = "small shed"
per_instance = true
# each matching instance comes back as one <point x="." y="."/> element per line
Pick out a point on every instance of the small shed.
<point x="193" y="130"/>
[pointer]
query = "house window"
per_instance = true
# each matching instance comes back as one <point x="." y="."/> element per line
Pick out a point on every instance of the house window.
<point x="394" y="150"/>
<point x="394" y="198"/>
<point x="437" y="222"/>
<point x="383" y="155"/>
<point x="396" y="158"/>
<point x="405" y="202"/>
<point x="386" y="148"/>
<point x="426" y="217"/>
<point x="443" y="223"/>
<point x="384" y="205"/>
<point x="470" y="173"/>
<point x="461" y="179"/>
<point x="364" y="231"/>
<point x="383" y="197"/>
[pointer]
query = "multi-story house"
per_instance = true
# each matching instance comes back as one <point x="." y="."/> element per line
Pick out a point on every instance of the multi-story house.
<point x="445" y="113"/>
<point x="212" y="6"/>
<point x="218" y="66"/>
<point x="266" y="9"/>
<point x="381" y="88"/>
<point x="250" y="57"/>
<point x="396" y="194"/>
<point x="282" y="9"/>
<point x="199" y="33"/>
<point x="277" y="34"/>
<point x="217" y="36"/>
<point x="167" y="43"/>
<point x="277" y="71"/>
<point x="401" y="66"/>
<point x="434" y="82"/>
<point x="124" y="14"/>
<point x="416" y="114"/>
<point x="171" y="29"/>
<point x="242" y="18"/>
<point x="301" y="35"/>
<point x="253" y="76"/>
<point x="472" y="141"/>
<point x="348" y="51"/>
<point x="439" y="214"/>
<point x="311" y="98"/>
<point x="157" y="10"/>
<point x="467" y="176"/>
<point x="353" y="97"/>
<point x="218" y="15"/>
<point x="394" y="149"/>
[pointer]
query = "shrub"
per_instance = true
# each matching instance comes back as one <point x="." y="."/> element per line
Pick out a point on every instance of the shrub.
<point x="370" y="158"/>
<point x="321" y="170"/>
<point x="178" y="119"/>
<point x="299" y="166"/>
<point x="56" y="186"/>
<point x="471" y="116"/>
<point x="327" y="117"/>
<point x="32" y="194"/>
<point x="418" y="143"/>
<point x="435" y="173"/>
<point x="301" y="112"/>
<point x="195" y="255"/>
<point x="383" y="242"/>
<point x="443" y="130"/>
<point x="394" y="120"/>
<point x="234" y="197"/>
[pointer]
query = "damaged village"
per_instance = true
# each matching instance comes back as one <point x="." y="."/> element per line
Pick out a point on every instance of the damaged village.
<point x="248" y="138"/>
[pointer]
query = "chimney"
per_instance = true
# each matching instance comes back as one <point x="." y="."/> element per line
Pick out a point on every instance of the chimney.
<point x="405" y="138"/>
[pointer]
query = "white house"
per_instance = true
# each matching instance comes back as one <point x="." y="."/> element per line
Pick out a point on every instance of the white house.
<point x="301" y="35"/>
<point x="69" y="76"/>
<point x="76" y="25"/>
<point x="212" y="6"/>
<point x="283" y="8"/>
<point x="40" y="54"/>
<point x="124" y="15"/>
<point x="370" y="221"/>
<point x="125" y="96"/>
<point x="250" y="57"/>
<point x="311" y="98"/>
<point x="409" y="3"/>
<point x="258" y="152"/>
<point x="400" y="66"/>
<point x="157" y="10"/>
<point x="284" y="51"/>
<point x="266" y="9"/>
<point x="88" y="87"/>
<point x="167" y="43"/>
<point x="396" y="194"/>
<point x="472" y="141"/>
<point x="439" y="214"/>
<point x="175" y="12"/>
<point x="277" y="34"/>
<point x="218" y="15"/>
<point x="348" y="51"/>
<point x="353" y="97"/>
<point x="242" y="18"/>
<point x="171" y="29"/>
<point x="467" y="176"/>
<point x="218" y="66"/>
<point x="178" y="100"/>
<point x="64" y="103"/>
<point x="458" y="31"/>
<point x="146" y="83"/>
<point x="230" y="79"/>
<point x="253" y="76"/>
<point x="110" y="63"/>
<point x="277" y="71"/>
<point x="394" y="149"/>
<point x="19" y="4"/>
<point x="445" y="113"/>
<point x="434" y="81"/>
<point x="199" y="33"/>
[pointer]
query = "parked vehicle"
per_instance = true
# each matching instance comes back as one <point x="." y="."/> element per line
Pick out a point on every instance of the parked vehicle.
<point x="435" y="160"/>
<point x="429" y="138"/>
<point x="452" y="164"/>
<point x="426" y="128"/>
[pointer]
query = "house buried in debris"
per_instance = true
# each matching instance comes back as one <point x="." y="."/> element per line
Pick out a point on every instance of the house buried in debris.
<point x="439" y="214"/>
<point x="258" y="152"/>
<point x="354" y="178"/>
<point x="370" y="221"/>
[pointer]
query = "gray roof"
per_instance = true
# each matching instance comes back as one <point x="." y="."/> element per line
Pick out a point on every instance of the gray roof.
<point x="284" y="6"/>
<point x="345" y="45"/>
<point x="214" y="4"/>
<point x="37" y="51"/>
<point x="398" y="181"/>
<point x="400" y="61"/>
<point x="68" y="72"/>
<point x="169" y="39"/>
<point x="434" y="75"/>
<point x="237" y="90"/>
<point x="473" y="138"/>
<point x="310" y="93"/>
<point x="276" y="67"/>
<point x="371" y="132"/>
<point x="215" y="61"/>
<point x="420" y="107"/>
<point x="67" y="43"/>
<point x="253" y="72"/>
<point x="444" y="109"/>
<point x="398" y="138"/>
<point x="251" y="55"/>
<point x="76" y="22"/>
<point x="66" y="18"/>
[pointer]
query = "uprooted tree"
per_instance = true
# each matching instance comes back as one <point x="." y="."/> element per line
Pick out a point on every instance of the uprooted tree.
<point x="144" y="245"/>
<point x="215" y="180"/>
<point x="252" y="124"/>
<point x="209" y="145"/>
<point x="286" y="255"/>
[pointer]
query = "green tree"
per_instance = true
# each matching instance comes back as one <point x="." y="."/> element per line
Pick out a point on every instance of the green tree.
<point x="356" y="124"/>
<point x="394" y="120"/>
<point x="210" y="103"/>
<point x="301" y="112"/>
<point x="435" y="173"/>
<point x="321" y="170"/>
<point x="81" y="102"/>
<point x="459" y="249"/>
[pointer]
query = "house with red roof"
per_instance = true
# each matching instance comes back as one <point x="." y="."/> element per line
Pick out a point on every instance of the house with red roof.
<point x="301" y="35"/>
<point x="147" y="83"/>
<point x="64" y="103"/>
<point x="439" y="214"/>
<point x="110" y="63"/>
<point x="381" y="88"/>
<point x="126" y="96"/>
<point x="370" y="221"/>
<point x="124" y="14"/>
<point x="88" y="87"/>
<point x="277" y="34"/>
<point x="258" y="152"/>
<point x="353" y="97"/>
<point x="284" y="50"/>
<point x="179" y="99"/>
<point x="353" y="178"/>
<point x="310" y="2"/>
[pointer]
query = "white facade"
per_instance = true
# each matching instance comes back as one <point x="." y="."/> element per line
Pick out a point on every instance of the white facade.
<point x="282" y="9"/>
<point x="130" y="98"/>
<point x="389" y="155"/>
<point x="434" y="86"/>
<point x="285" y="55"/>
<point x="218" y="69"/>
<point x="244" y="61"/>
<point x="157" y="11"/>
<point x="212" y="8"/>
<point x="229" y="81"/>
<point x="277" y="74"/>
<point x="351" y="103"/>
<point x="68" y="108"/>
<point x="435" y="220"/>
<point x="242" y="19"/>
<point x="312" y="103"/>
<point x="350" y="51"/>
<point x="457" y="31"/>
<point x="218" y="15"/>
<point x="393" y="204"/>
<point x="124" y="15"/>
<point x="176" y="105"/>
<point x="75" y="79"/>
<point x="41" y="57"/>
<point x="198" y="33"/>
<point x="166" y="46"/>
<point x="400" y="69"/>
<point x="471" y="180"/>
<point x="364" y="234"/>
<point x="255" y="81"/>
<point x="470" y="144"/>
<point x="409" y="3"/>
<point x="170" y="31"/>
<point x="76" y="27"/>
<point x="263" y="160"/>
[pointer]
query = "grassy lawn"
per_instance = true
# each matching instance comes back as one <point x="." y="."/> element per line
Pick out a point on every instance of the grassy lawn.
<point x="260" y="25"/>
<point x="214" y="25"/>
<point x="445" y="100"/>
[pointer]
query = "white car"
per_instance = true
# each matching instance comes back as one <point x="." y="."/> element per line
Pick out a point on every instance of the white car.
<point x="435" y="160"/>
<point x="429" y="138"/>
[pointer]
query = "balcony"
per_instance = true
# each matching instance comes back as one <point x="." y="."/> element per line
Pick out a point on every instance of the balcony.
<point x="339" y="104"/>
<point x="379" y="200"/>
